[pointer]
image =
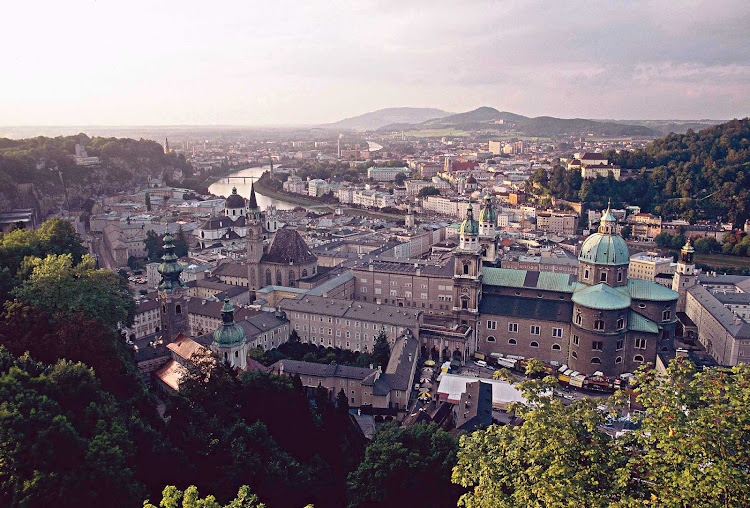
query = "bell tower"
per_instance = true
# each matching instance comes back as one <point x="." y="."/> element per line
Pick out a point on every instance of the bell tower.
<point x="171" y="293"/>
<point x="254" y="242"/>
<point x="229" y="339"/>
<point x="684" y="277"/>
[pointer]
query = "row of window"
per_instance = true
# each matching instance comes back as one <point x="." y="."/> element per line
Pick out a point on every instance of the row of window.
<point x="618" y="360"/>
<point x="533" y="329"/>
<point x="533" y="343"/>
<point x="597" y="345"/>
<point x="602" y="277"/>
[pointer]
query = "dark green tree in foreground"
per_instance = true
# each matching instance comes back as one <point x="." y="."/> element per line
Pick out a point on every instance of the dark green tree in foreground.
<point x="406" y="467"/>
<point x="690" y="449"/>
<point x="381" y="351"/>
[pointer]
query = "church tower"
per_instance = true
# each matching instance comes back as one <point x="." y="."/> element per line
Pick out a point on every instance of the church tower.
<point x="409" y="221"/>
<point x="467" y="274"/>
<point x="171" y="293"/>
<point x="684" y="277"/>
<point x="229" y="339"/>
<point x="487" y="231"/>
<point x="254" y="241"/>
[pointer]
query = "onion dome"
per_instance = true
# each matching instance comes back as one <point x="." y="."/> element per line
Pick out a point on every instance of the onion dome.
<point x="487" y="213"/>
<point x="605" y="247"/>
<point x="234" y="200"/>
<point x="169" y="269"/>
<point x="471" y="179"/>
<point x="229" y="334"/>
<point x="469" y="227"/>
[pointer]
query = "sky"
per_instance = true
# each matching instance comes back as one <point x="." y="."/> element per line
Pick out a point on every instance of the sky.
<point x="307" y="62"/>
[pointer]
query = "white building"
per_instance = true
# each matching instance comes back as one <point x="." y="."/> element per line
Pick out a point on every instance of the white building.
<point x="386" y="174"/>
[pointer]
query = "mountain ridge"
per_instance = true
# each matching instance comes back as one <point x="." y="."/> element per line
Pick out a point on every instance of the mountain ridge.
<point x="374" y="120"/>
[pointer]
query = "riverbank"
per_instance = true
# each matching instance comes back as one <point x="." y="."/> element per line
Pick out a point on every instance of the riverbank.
<point x="262" y="188"/>
<point x="215" y="177"/>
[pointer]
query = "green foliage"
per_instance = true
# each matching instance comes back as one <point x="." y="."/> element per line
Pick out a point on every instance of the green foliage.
<point x="307" y="352"/>
<point x="675" y="241"/>
<point x="627" y="231"/>
<point x="62" y="439"/>
<point x="62" y="289"/>
<point x="689" y="450"/>
<point x="173" y="498"/>
<point x="154" y="245"/>
<point x="381" y="351"/>
<point x="428" y="191"/>
<point x="406" y="467"/>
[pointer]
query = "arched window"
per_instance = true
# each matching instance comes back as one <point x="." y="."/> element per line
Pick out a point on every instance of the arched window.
<point x="574" y="354"/>
<point x="291" y="278"/>
<point x="278" y="277"/>
<point x="556" y="347"/>
<point x="534" y="344"/>
<point x="638" y="359"/>
<point x="598" y="324"/>
<point x="586" y="274"/>
<point x="178" y="309"/>
<point x="512" y="342"/>
<point x="236" y="354"/>
<point x="490" y="339"/>
<point x="465" y="303"/>
<point x="596" y="360"/>
<point x="620" y="323"/>
<point x="304" y="273"/>
<point x="466" y="269"/>
<point x="203" y="234"/>
<point x="666" y="315"/>
<point x="618" y="360"/>
<point x="579" y="319"/>
<point x="268" y="276"/>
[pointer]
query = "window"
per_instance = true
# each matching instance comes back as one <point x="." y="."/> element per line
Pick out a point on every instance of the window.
<point x="586" y="274"/>
<point x="598" y="324"/>
<point x="638" y="359"/>
<point x="618" y="360"/>
<point x="574" y="355"/>
<point x="377" y="291"/>
<point x="512" y="342"/>
<point x="596" y="345"/>
<point x="178" y="309"/>
<point x="394" y="292"/>
<point x="640" y="343"/>
<point x="492" y="325"/>
<point x="534" y="330"/>
<point x="620" y="323"/>
<point x="534" y="344"/>
<point x="620" y="344"/>
<point x="363" y="290"/>
<point x="579" y="319"/>
<point x="490" y="339"/>
<point x="603" y="277"/>
<point x="575" y="339"/>
<point x="466" y="269"/>
<point x="513" y="327"/>
<point x="596" y="360"/>
<point x="619" y="276"/>
<point x="556" y="347"/>
<point x="423" y="296"/>
<point x="557" y="332"/>
<point x="666" y="315"/>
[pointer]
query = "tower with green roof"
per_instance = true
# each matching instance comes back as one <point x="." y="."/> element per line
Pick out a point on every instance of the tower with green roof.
<point x="487" y="231"/>
<point x="171" y="293"/>
<point x="604" y="256"/>
<point x="229" y="339"/>
<point x="467" y="274"/>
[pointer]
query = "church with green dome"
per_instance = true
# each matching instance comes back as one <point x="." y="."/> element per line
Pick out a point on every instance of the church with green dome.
<point x="597" y="321"/>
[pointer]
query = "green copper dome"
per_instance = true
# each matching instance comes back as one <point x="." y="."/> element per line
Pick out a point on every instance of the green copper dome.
<point x="469" y="227"/>
<point x="487" y="213"/>
<point x="229" y="334"/>
<point x="605" y="249"/>
<point x="169" y="269"/>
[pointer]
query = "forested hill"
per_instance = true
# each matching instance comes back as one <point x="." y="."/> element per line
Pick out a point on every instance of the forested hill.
<point x="33" y="161"/>
<point x="696" y="175"/>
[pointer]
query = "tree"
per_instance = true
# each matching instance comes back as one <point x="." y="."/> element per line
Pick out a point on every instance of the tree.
<point x="627" y="231"/>
<point x="62" y="289"/>
<point x="406" y="467"/>
<point x="399" y="178"/>
<point x="181" y="243"/>
<point x="342" y="401"/>
<point x="381" y="351"/>
<point x="693" y="432"/>
<point x="148" y="202"/>
<point x="173" y="498"/>
<point x="294" y="337"/>
<point x="428" y="191"/>
<point x="154" y="245"/>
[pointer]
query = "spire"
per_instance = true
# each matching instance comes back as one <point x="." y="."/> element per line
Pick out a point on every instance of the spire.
<point x="227" y="312"/>
<point x="252" y="205"/>
<point x="608" y="221"/>
<point x="169" y="269"/>
<point x="166" y="145"/>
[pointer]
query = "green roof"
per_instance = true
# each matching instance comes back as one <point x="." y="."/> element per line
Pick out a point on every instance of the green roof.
<point x="546" y="281"/>
<point x="605" y="249"/>
<point x="601" y="297"/>
<point x="638" y="323"/>
<point x="648" y="290"/>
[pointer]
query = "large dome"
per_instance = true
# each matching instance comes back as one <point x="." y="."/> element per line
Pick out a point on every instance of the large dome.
<point x="235" y="200"/>
<point x="605" y="249"/>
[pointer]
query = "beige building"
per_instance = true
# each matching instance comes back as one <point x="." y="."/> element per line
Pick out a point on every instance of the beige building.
<point x="561" y="223"/>
<point x="147" y="319"/>
<point x="725" y="336"/>
<point x="647" y="265"/>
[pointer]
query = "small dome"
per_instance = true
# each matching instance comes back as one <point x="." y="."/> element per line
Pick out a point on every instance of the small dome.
<point x="469" y="227"/>
<point x="605" y="249"/>
<point x="235" y="200"/>
<point x="229" y="334"/>
<point x="487" y="214"/>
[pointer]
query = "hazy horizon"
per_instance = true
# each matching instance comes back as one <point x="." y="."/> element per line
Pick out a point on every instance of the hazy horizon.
<point x="288" y="64"/>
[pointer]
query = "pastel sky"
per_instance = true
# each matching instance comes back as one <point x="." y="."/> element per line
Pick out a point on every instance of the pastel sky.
<point x="307" y="61"/>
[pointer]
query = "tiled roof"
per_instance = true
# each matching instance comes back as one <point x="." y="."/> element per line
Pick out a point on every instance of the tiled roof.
<point x="546" y="281"/>
<point x="321" y="370"/>
<point x="364" y="311"/>
<point x="739" y="329"/>
<point x="648" y="290"/>
<point x="231" y="269"/>
<point x="638" y="323"/>
<point x="288" y="247"/>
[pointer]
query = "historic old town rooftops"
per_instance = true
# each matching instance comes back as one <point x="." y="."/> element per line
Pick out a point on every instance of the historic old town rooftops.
<point x="638" y="323"/>
<point x="527" y="308"/>
<point x="546" y="281"/>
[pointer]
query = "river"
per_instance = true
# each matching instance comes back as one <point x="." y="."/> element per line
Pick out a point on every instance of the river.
<point x="224" y="186"/>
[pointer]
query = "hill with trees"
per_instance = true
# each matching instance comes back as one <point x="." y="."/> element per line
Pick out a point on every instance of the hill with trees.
<point x="376" y="119"/>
